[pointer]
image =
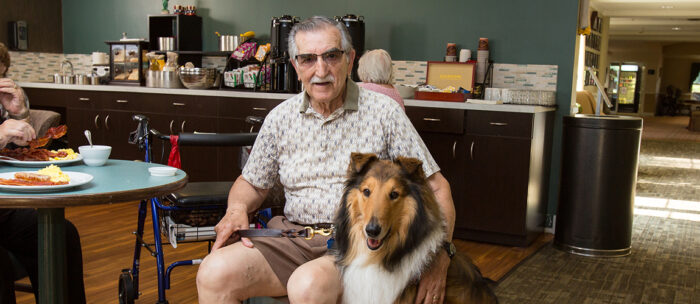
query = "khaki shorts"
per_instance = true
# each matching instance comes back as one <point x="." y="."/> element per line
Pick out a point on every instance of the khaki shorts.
<point x="286" y="254"/>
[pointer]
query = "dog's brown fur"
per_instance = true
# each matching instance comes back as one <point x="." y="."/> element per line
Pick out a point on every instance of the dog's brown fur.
<point x="396" y="197"/>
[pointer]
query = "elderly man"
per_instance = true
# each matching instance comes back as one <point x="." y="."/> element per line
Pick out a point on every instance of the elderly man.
<point x="305" y="143"/>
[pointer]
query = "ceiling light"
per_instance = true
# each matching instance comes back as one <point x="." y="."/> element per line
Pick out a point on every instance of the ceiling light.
<point x="675" y="28"/>
<point x="667" y="6"/>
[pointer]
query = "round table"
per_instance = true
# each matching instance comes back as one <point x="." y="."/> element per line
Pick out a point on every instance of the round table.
<point x="116" y="181"/>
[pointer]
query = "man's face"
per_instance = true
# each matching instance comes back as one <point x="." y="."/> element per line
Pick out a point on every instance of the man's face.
<point x="321" y="64"/>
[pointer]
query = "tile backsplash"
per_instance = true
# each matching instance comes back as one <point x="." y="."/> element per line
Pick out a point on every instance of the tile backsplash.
<point x="409" y="72"/>
<point x="40" y="67"/>
<point x="525" y="76"/>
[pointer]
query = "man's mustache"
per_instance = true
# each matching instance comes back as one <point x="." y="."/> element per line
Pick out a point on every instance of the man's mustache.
<point x="317" y="79"/>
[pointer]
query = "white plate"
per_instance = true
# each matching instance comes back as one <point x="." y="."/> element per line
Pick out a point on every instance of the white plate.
<point x="76" y="179"/>
<point x="162" y="171"/>
<point x="40" y="163"/>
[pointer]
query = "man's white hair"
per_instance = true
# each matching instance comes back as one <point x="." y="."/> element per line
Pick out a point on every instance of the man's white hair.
<point x="375" y="67"/>
<point x="317" y="23"/>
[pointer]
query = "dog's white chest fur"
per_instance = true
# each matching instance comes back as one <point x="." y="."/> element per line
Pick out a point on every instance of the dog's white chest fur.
<point x="371" y="283"/>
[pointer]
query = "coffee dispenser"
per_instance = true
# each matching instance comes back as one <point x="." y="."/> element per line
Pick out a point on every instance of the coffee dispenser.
<point x="284" y="77"/>
<point x="356" y="28"/>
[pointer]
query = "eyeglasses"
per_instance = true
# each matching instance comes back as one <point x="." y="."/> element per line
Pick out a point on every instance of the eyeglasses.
<point x="331" y="57"/>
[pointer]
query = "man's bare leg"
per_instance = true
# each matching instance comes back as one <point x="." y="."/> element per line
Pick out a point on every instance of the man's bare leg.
<point x="234" y="273"/>
<point x="317" y="281"/>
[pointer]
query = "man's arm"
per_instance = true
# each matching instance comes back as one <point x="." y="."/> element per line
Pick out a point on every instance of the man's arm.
<point x="242" y="199"/>
<point x="431" y="288"/>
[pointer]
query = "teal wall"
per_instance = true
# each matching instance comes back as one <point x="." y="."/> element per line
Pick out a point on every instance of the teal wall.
<point x="534" y="32"/>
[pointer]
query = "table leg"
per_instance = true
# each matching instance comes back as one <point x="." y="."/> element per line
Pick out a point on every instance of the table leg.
<point x="52" y="255"/>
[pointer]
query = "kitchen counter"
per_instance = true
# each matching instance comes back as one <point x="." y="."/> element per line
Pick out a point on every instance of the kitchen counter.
<point x="278" y="96"/>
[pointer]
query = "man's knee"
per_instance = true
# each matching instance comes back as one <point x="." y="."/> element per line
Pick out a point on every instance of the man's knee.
<point x="214" y="272"/>
<point x="314" y="283"/>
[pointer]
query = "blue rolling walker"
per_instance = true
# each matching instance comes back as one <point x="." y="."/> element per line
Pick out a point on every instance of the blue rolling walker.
<point x="198" y="203"/>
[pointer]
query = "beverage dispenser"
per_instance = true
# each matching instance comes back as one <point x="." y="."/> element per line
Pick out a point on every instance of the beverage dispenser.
<point x="284" y="77"/>
<point x="356" y="28"/>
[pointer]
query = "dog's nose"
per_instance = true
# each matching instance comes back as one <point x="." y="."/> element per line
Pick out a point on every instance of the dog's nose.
<point x="373" y="228"/>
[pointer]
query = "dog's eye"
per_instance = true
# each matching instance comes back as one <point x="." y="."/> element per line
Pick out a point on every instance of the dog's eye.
<point x="393" y="195"/>
<point x="366" y="192"/>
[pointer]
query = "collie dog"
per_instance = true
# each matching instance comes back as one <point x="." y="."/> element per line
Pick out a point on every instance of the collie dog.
<point x="389" y="228"/>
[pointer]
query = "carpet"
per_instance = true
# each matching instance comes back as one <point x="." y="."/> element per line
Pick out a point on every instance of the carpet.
<point x="664" y="266"/>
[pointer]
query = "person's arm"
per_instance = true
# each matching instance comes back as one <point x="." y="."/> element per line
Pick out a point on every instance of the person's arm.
<point x="242" y="199"/>
<point x="16" y="131"/>
<point x="433" y="280"/>
<point x="13" y="100"/>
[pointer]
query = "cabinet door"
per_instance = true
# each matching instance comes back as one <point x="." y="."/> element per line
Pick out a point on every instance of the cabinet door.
<point x="448" y="151"/>
<point x="496" y="182"/>
<point x="79" y="120"/>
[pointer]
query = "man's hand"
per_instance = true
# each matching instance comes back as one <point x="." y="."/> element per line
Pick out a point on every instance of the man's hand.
<point x="12" y="97"/>
<point x="236" y="218"/>
<point x="431" y="287"/>
<point x="15" y="131"/>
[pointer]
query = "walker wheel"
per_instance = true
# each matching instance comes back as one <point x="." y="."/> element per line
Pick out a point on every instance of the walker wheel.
<point x="126" y="289"/>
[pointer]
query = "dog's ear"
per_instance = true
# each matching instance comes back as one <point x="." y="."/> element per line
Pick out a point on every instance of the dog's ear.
<point x="360" y="160"/>
<point x="412" y="166"/>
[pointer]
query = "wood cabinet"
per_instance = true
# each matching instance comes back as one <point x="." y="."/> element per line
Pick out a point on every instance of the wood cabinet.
<point x="495" y="163"/>
<point x="108" y="116"/>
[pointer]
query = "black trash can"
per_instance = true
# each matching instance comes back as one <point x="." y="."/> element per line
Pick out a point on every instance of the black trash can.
<point x="598" y="178"/>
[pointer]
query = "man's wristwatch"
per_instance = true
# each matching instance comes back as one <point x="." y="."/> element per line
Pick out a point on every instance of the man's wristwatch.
<point x="449" y="248"/>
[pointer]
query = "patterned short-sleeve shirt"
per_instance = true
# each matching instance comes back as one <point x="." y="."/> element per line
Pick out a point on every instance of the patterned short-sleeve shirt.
<point x="310" y="154"/>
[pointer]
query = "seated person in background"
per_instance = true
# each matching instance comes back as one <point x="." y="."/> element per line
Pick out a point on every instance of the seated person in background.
<point x="18" y="227"/>
<point x="305" y="143"/>
<point x="374" y="69"/>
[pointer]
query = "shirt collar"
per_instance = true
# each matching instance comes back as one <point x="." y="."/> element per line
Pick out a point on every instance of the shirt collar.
<point x="352" y="94"/>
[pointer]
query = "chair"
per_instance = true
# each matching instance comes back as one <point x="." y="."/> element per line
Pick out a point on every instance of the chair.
<point x="42" y="120"/>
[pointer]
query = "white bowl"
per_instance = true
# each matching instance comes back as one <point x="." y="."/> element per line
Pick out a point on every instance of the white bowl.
<point x="162" y="171"/>
<point x="95" y="155"/>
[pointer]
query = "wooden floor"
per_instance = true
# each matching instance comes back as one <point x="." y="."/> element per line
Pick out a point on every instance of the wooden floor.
<point x="108" y="246"/>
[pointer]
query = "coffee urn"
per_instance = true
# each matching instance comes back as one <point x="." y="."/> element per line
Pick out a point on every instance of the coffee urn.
<point x="284" y="77"/>
<point x="356" y="28"/>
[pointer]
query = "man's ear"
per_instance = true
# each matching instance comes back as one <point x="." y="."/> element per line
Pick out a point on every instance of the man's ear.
<point x="359" y="160"/>
<point x="412" y="166"/>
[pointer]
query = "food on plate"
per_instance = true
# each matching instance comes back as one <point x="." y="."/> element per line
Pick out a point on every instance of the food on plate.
<point x="64" y="154"/>
<point x="29" y="154"/>
<point x="55" y="173"/>
<point x="51" y="133"/>
<point x="49" y="176"/>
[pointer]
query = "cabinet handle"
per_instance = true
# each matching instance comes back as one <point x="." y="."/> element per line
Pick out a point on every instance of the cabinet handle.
<point x="97" y="119"/>
<point x="498" y="123"/>
<point x="178" y="104"/>
<point x="260" y="109"/>
<point x="171" y="126"/>
<point x="471" y="151"/>
<point x="122" y="101"/>
<point x="431" y="119"/>
<point x="84" y="99"/>
<point x="182" y="126"/>
<point x="454" y="150"/>
<point x="107" y="122"/>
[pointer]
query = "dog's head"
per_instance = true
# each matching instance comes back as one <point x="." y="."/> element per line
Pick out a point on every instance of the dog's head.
<point x="387" y="208"/>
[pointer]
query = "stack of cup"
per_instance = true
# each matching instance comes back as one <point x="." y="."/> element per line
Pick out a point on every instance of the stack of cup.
<point x="451" y="54"/>
<point x="482" y="59"/>
<point x="465" y="55"/>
